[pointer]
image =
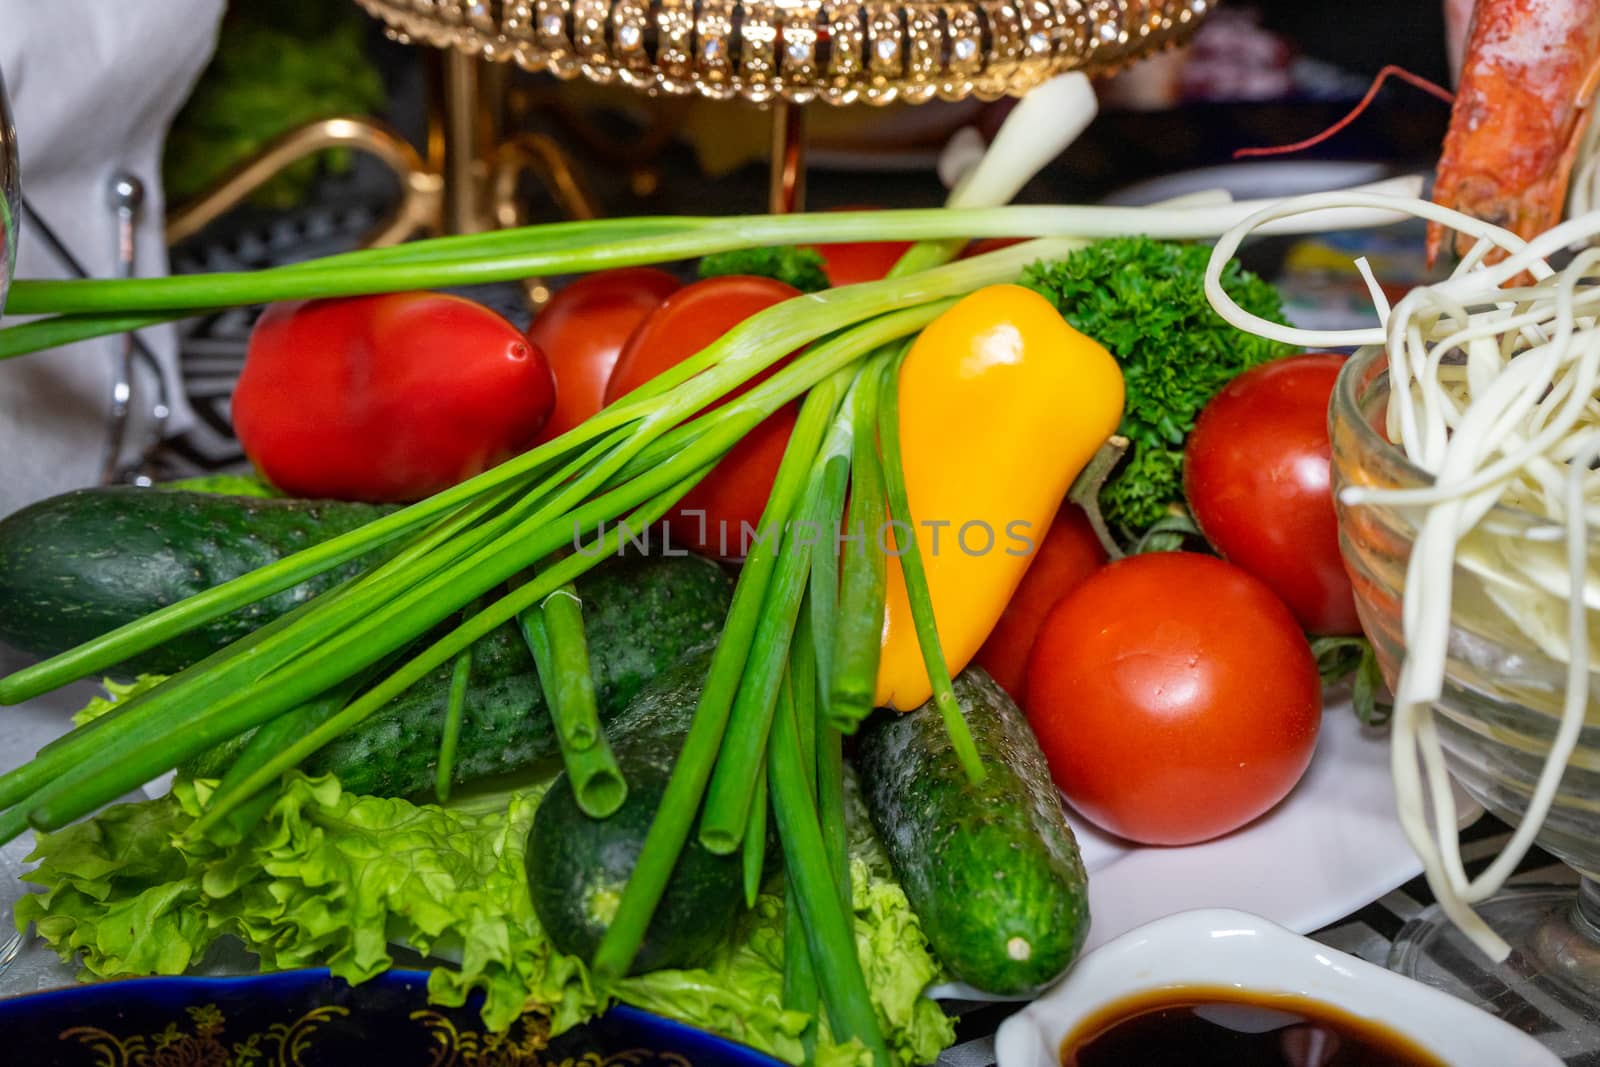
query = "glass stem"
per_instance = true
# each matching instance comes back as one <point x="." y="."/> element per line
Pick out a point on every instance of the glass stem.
<point x="1587" y="913"/>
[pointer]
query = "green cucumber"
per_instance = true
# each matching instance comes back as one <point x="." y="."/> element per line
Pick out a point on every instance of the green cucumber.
<point x="641" y="615"/>
<point x="77" y="565"/>
<point x="579" y="866"/>
<point x="992" y="870"/>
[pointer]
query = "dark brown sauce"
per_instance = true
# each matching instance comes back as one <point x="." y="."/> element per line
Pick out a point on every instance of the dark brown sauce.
<point x="1198" y="1026"/>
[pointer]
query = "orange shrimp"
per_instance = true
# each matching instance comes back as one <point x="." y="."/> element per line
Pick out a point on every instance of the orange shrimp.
<point x="1529" y="71"/>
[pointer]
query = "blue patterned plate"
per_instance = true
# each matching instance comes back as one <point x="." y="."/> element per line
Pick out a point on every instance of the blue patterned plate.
<point x="307" y="1018"/>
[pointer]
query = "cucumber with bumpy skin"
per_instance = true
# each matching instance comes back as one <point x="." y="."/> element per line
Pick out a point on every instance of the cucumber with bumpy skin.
<point x="77" y="565"/>
<point x="578" y="866"/>
<point x="992" y="870"/>
<point x="641" y="615"/>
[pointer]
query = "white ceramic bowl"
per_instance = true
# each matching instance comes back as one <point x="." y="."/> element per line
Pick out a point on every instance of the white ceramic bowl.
<point x="1234" y="949"/>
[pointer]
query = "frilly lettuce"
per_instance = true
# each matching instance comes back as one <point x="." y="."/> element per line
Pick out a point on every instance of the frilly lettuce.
<point x="333" y="879"/>
<point x="116" y="693"/>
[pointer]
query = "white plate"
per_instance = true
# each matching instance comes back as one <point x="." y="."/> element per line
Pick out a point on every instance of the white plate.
<point x="1254" y="179"/>
<point x="1331" y="847"/>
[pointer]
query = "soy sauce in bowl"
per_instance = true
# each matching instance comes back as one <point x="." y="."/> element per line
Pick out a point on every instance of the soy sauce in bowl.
<point x="1226" y="1027"/>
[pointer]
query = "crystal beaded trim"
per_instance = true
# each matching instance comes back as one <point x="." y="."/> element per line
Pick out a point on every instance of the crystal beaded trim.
<point x="838" y="51"/>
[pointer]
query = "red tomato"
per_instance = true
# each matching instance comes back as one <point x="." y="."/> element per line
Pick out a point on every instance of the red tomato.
<point x="1256" y="473"/>
<point x="1174" y="697"/>
<point x="386" y="398"/>
<point x="863" y="261"/>
<point x="989" y="244"/>
<point x="582" y="330"/>
<point x="1069" y="553"/>
<point x="860" y="261"/>
<point x="735" y="492"/>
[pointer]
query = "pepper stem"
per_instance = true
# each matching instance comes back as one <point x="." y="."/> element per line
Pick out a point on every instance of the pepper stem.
<point x="1085" y="491"/>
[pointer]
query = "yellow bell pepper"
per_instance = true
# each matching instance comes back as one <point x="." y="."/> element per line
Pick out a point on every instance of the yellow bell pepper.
<point x="1002" y="404"/>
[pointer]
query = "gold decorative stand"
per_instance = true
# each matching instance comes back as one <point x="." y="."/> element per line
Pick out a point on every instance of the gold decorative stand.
<point x="779" y="53"/>
<point x="790" y="52"/>
<point x="467" y="182"/>
<point x="836" y="51"/>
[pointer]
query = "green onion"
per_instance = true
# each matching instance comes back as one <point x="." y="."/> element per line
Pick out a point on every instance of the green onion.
<point x="830" y="805"/>
<point x="823" y="592"/>
<point x="342" y="645"/>
<point x="917" y="595"/>
<point x="58" y="331"/>
<point x="809" y="666"/>
<point x="495" y="614"/>
<point x="687" y="783"/>
<point x="612" y="243"/>
<point x="559" y="620"/>
<point x="217" y="685"/>
<point x="99" y="307"/>
<point x="830" y="930"/>
<point x="801" y="692"/>
<point x="858" y="636"/>
<point x="553" y="630"/>
<point x="799" y="976"/>
<point x="823" y="746"/>
<point x="727" y="803"/>
<point x="693" y="768"/>
<point x="268" y="740"/>
<point x="469" y="540"/>
<point x="455" y="709"/>
<point x="103" y="306"/>
<point x="754" y="853"/>
<point x="453" y="509"/>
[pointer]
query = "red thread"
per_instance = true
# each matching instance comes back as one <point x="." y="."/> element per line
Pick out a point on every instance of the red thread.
<point x="1415" y="80"/>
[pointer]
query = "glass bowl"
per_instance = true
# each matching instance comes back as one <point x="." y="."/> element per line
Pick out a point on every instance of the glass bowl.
<point x="1501" y="700"/>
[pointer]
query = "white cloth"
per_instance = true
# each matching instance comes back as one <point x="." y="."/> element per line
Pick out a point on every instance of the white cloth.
<point x="94" y="85"/>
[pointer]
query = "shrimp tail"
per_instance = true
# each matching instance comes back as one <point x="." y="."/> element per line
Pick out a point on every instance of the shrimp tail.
<point x="1530" y="71"/>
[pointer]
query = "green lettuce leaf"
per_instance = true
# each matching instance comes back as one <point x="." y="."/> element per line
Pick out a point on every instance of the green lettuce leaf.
<point x="116" y="692"/>
<point x="335" y="879"/>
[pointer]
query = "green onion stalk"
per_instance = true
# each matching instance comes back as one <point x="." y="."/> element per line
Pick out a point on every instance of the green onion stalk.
<point x="691" y="773"/>
<point x="852" y="675"/>
<point x="455" y="711"/>
<point x="916" y="577"/>
<point x="79" y="309"/>
<point x="750" y="721"/>
<point x="554" y="634"/>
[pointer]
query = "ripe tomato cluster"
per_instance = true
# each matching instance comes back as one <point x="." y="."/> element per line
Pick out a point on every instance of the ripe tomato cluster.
<point x="392" y="398"/>
<point x="1175" y="694"/>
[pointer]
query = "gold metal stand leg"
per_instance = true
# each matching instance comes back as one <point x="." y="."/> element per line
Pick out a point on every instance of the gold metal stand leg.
<point x="462" y="173"/>
<point x="541" y="156"/>
<point x="468" y="182"/>
<point x="786" y="188"/>
<point x="421" y="189"/>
